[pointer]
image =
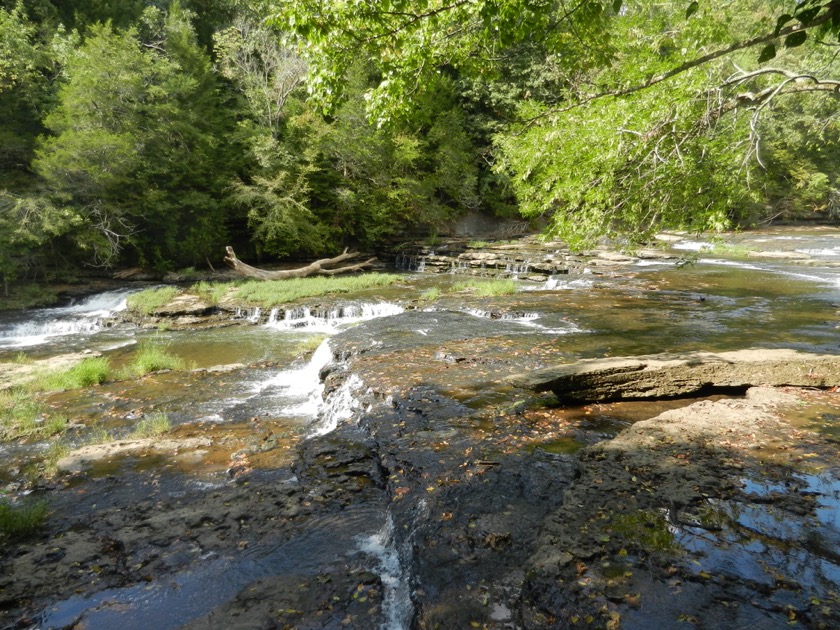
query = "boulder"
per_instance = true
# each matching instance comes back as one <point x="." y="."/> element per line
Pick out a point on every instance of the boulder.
<point x="681" y="375"/>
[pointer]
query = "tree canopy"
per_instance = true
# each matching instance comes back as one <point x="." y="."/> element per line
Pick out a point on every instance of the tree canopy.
<point x="154" y="133"/>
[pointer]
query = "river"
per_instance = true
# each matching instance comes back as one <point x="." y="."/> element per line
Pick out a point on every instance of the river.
<point x="363" y="422"/>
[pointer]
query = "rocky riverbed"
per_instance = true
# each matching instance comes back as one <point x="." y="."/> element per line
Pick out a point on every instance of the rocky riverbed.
<point x="446" y="498"/>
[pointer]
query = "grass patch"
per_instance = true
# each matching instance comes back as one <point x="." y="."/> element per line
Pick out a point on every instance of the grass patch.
<point x="268" y="293"/>
<point x="732" y="251"/>
<point x="211" y="292"/>
<point x="310" y="345"/>
<point x="55" y="452"/>
<point x="152" y="357"/>
<point x="19" y="415"/>
<point x="21" y="519"/>
<point x="430" y="295"/>
<point x="487" y="288"/>
<point x="91" y="371"/>
<point x="150" y="299"/>
<point x="21" y="358"/>
<point x="153" y="425"/>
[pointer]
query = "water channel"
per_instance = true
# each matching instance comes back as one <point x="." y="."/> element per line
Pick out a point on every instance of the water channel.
<point x="271" y="397"/>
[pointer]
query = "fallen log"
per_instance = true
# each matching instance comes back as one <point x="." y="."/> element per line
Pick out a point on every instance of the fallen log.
<point x="319" y="267"/>
<point x="681" y="375"/>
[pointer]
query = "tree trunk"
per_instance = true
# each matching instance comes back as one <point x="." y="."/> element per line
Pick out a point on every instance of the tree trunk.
<point x="312" y="269"/>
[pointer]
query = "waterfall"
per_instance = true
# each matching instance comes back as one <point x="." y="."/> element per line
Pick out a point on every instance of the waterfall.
<point x="338" y="408"/>
<point x="301" y="387"/>
<point x="329" y="320"/>
<point x="397" y="605"/>
<point x="555" y="284"/>
<point x="86" y="317"/>
<point x="508" y="317"/>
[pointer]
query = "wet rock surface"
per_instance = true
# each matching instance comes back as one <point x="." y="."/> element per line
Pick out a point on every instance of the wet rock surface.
<point x="520" y="518"/>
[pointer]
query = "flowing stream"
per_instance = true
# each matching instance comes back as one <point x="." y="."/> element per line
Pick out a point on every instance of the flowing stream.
<point x="716" y="302"/>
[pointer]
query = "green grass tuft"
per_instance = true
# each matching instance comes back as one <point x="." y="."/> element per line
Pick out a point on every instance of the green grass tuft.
<point x="91" y="371"/>
<point x="487" y="288"/>
<point x="153" y="425"/>
<point x="22" y="519"/>
<point x="211" y="292"/>
<point x="147" y="301"/>
<point x="430" y="295"/>
<point x="268" y="293"/>
<point x="152" y="357"/>
<point x="19" y="414"/>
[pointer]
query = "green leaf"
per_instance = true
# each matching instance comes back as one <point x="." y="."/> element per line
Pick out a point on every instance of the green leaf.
<point x="808" y="14"/>
<point x="692" y="9"/>
<point x="617" y="6"/>
<point x="781" y="21"/>
<point x="795" y="39"/>
<point x="767" y="53"/>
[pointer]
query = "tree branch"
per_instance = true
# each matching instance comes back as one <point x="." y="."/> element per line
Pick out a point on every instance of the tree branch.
<point x="688" y="65"/>
<point x="314" y="268"/>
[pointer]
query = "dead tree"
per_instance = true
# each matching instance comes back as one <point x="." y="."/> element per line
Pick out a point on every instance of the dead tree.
<point x="312" y="269"/>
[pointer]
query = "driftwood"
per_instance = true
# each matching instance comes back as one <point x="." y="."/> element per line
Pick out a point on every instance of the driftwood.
<point x="315" y="268"/>
<point x="679" y="375"/>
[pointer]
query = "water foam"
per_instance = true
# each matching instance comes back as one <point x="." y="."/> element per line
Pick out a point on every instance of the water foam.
<point x="397" y="605"/>
<point x="83" y="318"/>
<point x="329" y="320"/>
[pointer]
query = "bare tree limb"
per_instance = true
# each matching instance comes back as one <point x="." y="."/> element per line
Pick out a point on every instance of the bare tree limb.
<point x="312" y="269"/>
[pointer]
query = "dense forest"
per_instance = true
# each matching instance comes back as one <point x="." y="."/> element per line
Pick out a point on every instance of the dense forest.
<point x="154" y="132"/>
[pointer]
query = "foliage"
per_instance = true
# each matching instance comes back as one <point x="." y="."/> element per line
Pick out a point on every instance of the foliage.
<point x="663" y="117"/>
<point x="27" y="296"/>
<point x="133" y="144"/>
<point x="21" y="519"/>
<point x="153" y="425"/>
<point x="148" y="300"/>
<point x="273" y="293"/>
<point x="154" y="133"/>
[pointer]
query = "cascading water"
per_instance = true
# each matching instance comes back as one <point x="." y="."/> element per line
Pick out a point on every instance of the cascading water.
<point x="299" y="389"/>
<point x="86" y="317"/>
<point x="329" y="321"/>
<point x="338" y="408"/>
<point x="397" y="606"/>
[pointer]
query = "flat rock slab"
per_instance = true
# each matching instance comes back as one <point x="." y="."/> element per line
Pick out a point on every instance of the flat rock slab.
<point x="681" y="375"/>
